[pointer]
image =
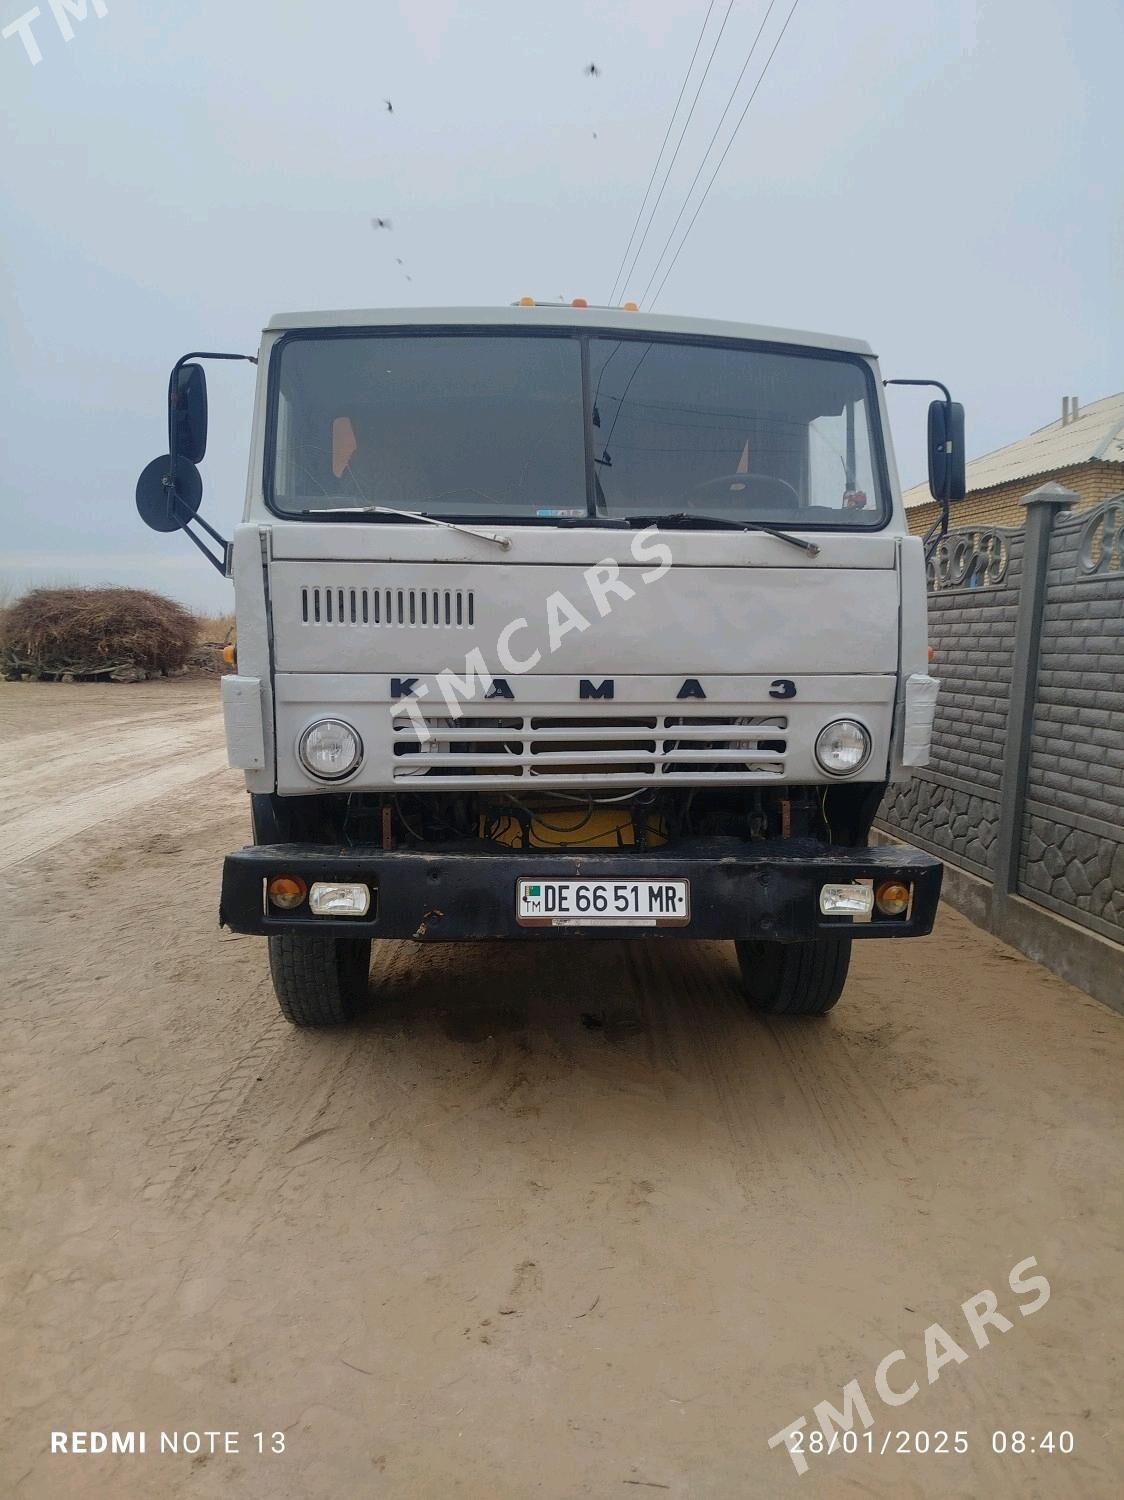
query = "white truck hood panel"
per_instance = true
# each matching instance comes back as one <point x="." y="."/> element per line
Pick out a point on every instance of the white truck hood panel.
<point x="400" y="617"/>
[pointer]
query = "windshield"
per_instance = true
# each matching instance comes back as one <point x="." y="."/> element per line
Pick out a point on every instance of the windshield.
<point x="553" y="427"/>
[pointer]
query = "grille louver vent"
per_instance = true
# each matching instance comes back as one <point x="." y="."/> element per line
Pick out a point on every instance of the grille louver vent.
<point x="644" y="749"/>
<point x="452" y="609"/>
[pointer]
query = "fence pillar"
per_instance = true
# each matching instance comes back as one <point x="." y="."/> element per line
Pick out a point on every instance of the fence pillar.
<point x="1042" y="507"/>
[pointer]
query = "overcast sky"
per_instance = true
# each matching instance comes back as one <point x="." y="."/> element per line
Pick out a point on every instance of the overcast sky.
<point x="939" y="177"/>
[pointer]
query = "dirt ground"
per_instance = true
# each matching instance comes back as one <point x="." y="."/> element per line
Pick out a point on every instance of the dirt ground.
<point x="556" y="1222"/>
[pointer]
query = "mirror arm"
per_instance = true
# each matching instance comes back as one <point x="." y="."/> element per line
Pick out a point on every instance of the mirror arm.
<point x="217" y="562"/>
<point x="939" y="529"/>
<point x="944" y="390"/>
<point x="936" y="533"/>
<point x="215" y="536"/>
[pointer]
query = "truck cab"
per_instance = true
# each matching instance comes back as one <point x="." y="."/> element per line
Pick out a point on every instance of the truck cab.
<point x="563" y="623"/>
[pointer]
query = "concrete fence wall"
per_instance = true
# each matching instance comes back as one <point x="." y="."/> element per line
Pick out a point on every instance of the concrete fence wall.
<point x="1024" y="796"/>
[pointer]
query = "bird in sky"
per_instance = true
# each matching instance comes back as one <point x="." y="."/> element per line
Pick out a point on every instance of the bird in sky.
<point x="389" y="106"/>
<point x="592" y="71"/>
<point x="381" y="224"/>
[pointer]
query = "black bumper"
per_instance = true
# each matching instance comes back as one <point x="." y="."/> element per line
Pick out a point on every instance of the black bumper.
<point x="763" y="891"/>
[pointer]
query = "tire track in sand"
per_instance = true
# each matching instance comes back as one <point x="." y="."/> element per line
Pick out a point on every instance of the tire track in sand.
<point x="787" y="1089"/>
<point x="50" y="823"/>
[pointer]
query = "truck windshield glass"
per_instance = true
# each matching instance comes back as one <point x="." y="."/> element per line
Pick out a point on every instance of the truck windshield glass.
<point x="490" y="425"/>
<point x="458" y="425"/>
<point x="742" y="434"/>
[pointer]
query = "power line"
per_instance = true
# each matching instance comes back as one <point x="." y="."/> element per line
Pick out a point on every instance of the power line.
<point x="605" y="454"/>
<point x="663" y="145"/>
<point x="678" y="144"/>
<point x="706" y="153"/>
<point x="722" y="158"/>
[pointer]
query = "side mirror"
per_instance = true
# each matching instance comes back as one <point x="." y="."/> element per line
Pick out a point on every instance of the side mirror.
<point x="946" y="450"/>
<point x="187" y="413"/>
<point x="170" y="490"/>
<point x="169" y="493"/>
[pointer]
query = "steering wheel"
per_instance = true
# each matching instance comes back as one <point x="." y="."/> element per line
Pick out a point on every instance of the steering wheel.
<point x="731" y="489"/>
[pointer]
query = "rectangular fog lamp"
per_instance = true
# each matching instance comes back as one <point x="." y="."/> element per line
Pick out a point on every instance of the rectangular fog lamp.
<point x="844" y="900"/>
<point x="330" y="899"/>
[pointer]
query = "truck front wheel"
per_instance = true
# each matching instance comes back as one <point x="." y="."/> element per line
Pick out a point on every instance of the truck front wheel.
<point x="794" y="979"/>
<point x="320" y="981"/>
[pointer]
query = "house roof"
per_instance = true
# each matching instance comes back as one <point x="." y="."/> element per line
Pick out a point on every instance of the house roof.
<point x="1097" y="434"/>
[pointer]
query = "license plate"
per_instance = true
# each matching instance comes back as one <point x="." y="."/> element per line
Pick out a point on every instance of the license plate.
<point x="602" y="903"/>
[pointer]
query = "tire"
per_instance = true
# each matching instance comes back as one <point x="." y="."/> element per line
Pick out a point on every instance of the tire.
<point x="794" y="979"/>
<point x="320" y="981"/>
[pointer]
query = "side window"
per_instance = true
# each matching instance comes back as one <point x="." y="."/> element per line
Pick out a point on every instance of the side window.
<point x="840" y="467"/>
<point x="283" y="479"/>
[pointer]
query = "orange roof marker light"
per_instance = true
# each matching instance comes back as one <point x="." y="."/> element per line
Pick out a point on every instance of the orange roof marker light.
<point x="574" y="302"/>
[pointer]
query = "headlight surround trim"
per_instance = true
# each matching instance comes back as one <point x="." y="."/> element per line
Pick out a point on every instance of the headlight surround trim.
<point x="847" y="725"/>
<point x="340" y="725"/>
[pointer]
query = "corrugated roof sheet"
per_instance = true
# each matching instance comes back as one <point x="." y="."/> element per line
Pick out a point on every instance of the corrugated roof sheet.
<point x="1098" y="433"/>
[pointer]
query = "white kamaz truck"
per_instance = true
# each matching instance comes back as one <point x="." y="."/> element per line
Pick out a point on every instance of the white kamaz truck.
<point x="561" y="622"/>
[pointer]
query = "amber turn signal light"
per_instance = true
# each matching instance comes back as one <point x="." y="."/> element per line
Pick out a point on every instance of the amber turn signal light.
<point x="892" y="898"/>
<point x="287" y="891"/>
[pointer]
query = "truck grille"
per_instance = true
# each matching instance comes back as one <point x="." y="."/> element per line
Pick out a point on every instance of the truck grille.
<point x="446" y="608"/>
<point x="570" y="749"/>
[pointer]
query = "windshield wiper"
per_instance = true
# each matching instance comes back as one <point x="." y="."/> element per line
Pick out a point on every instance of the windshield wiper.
<point x="414" y="515"/>
<point x="595" y="522"/>
<point x="682" y="520"/>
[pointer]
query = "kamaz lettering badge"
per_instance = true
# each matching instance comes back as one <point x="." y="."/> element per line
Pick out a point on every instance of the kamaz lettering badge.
<point x="586" y="688"/>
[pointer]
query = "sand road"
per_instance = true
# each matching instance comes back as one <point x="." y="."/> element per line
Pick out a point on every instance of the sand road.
<point x="553" y="1222"/>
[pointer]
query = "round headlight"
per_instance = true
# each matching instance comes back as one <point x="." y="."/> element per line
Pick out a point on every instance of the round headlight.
<point x="843" y="748"/>
<point x="330" y="749"/>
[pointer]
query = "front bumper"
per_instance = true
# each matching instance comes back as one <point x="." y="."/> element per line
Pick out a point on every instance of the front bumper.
<point x="759" y="891"/>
